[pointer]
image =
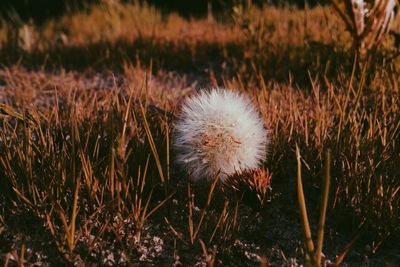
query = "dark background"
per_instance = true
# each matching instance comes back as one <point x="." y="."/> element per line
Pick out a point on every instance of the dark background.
<point x="41" y="10"/>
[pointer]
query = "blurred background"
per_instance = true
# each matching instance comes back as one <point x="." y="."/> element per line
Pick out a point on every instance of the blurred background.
<point x="41" y="10"/>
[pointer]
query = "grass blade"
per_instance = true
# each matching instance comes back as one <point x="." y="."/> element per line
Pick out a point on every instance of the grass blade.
<point x="152" y="144"/>
<point x="303" y="209"/>
<point x="324" y="205"/>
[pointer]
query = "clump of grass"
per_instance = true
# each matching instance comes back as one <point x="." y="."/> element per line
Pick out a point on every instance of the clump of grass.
<point x="69" y="172"/>
<point x="109" y="23"/>
<point x="211" y="220"/>
<point x="253" y="185"/>
<point x="313" y="255"/>
<point x="82" y="175"/>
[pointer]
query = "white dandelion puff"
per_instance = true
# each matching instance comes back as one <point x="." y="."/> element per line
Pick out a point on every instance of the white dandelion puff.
<point x="219" y="131"/>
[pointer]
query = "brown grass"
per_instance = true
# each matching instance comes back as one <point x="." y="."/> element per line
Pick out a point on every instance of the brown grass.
<point x="87" y="115"/>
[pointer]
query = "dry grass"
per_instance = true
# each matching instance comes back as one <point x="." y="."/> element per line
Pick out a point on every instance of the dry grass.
<point x="87" y="114"/>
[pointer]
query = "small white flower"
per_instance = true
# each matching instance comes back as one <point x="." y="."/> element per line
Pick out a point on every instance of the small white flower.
<point x="219" y="131"/>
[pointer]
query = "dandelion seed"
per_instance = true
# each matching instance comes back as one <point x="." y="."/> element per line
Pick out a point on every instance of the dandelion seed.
<point x="219" y="131"/>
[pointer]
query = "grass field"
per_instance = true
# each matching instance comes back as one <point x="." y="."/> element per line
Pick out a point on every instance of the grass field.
<point x="88" y="106"/>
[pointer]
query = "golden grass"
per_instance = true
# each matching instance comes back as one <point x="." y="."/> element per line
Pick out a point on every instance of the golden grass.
<point x="86" y="122"/>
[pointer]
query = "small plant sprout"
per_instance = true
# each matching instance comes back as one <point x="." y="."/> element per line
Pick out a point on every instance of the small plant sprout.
<point x="219" y="131"/>
<point x="254" y="186"/>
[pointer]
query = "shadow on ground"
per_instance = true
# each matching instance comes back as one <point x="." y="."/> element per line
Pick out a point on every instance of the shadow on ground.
<point x="276" y="64"/>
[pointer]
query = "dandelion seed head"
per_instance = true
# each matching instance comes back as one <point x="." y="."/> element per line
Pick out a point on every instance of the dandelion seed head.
<point x="219" y="131"/>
